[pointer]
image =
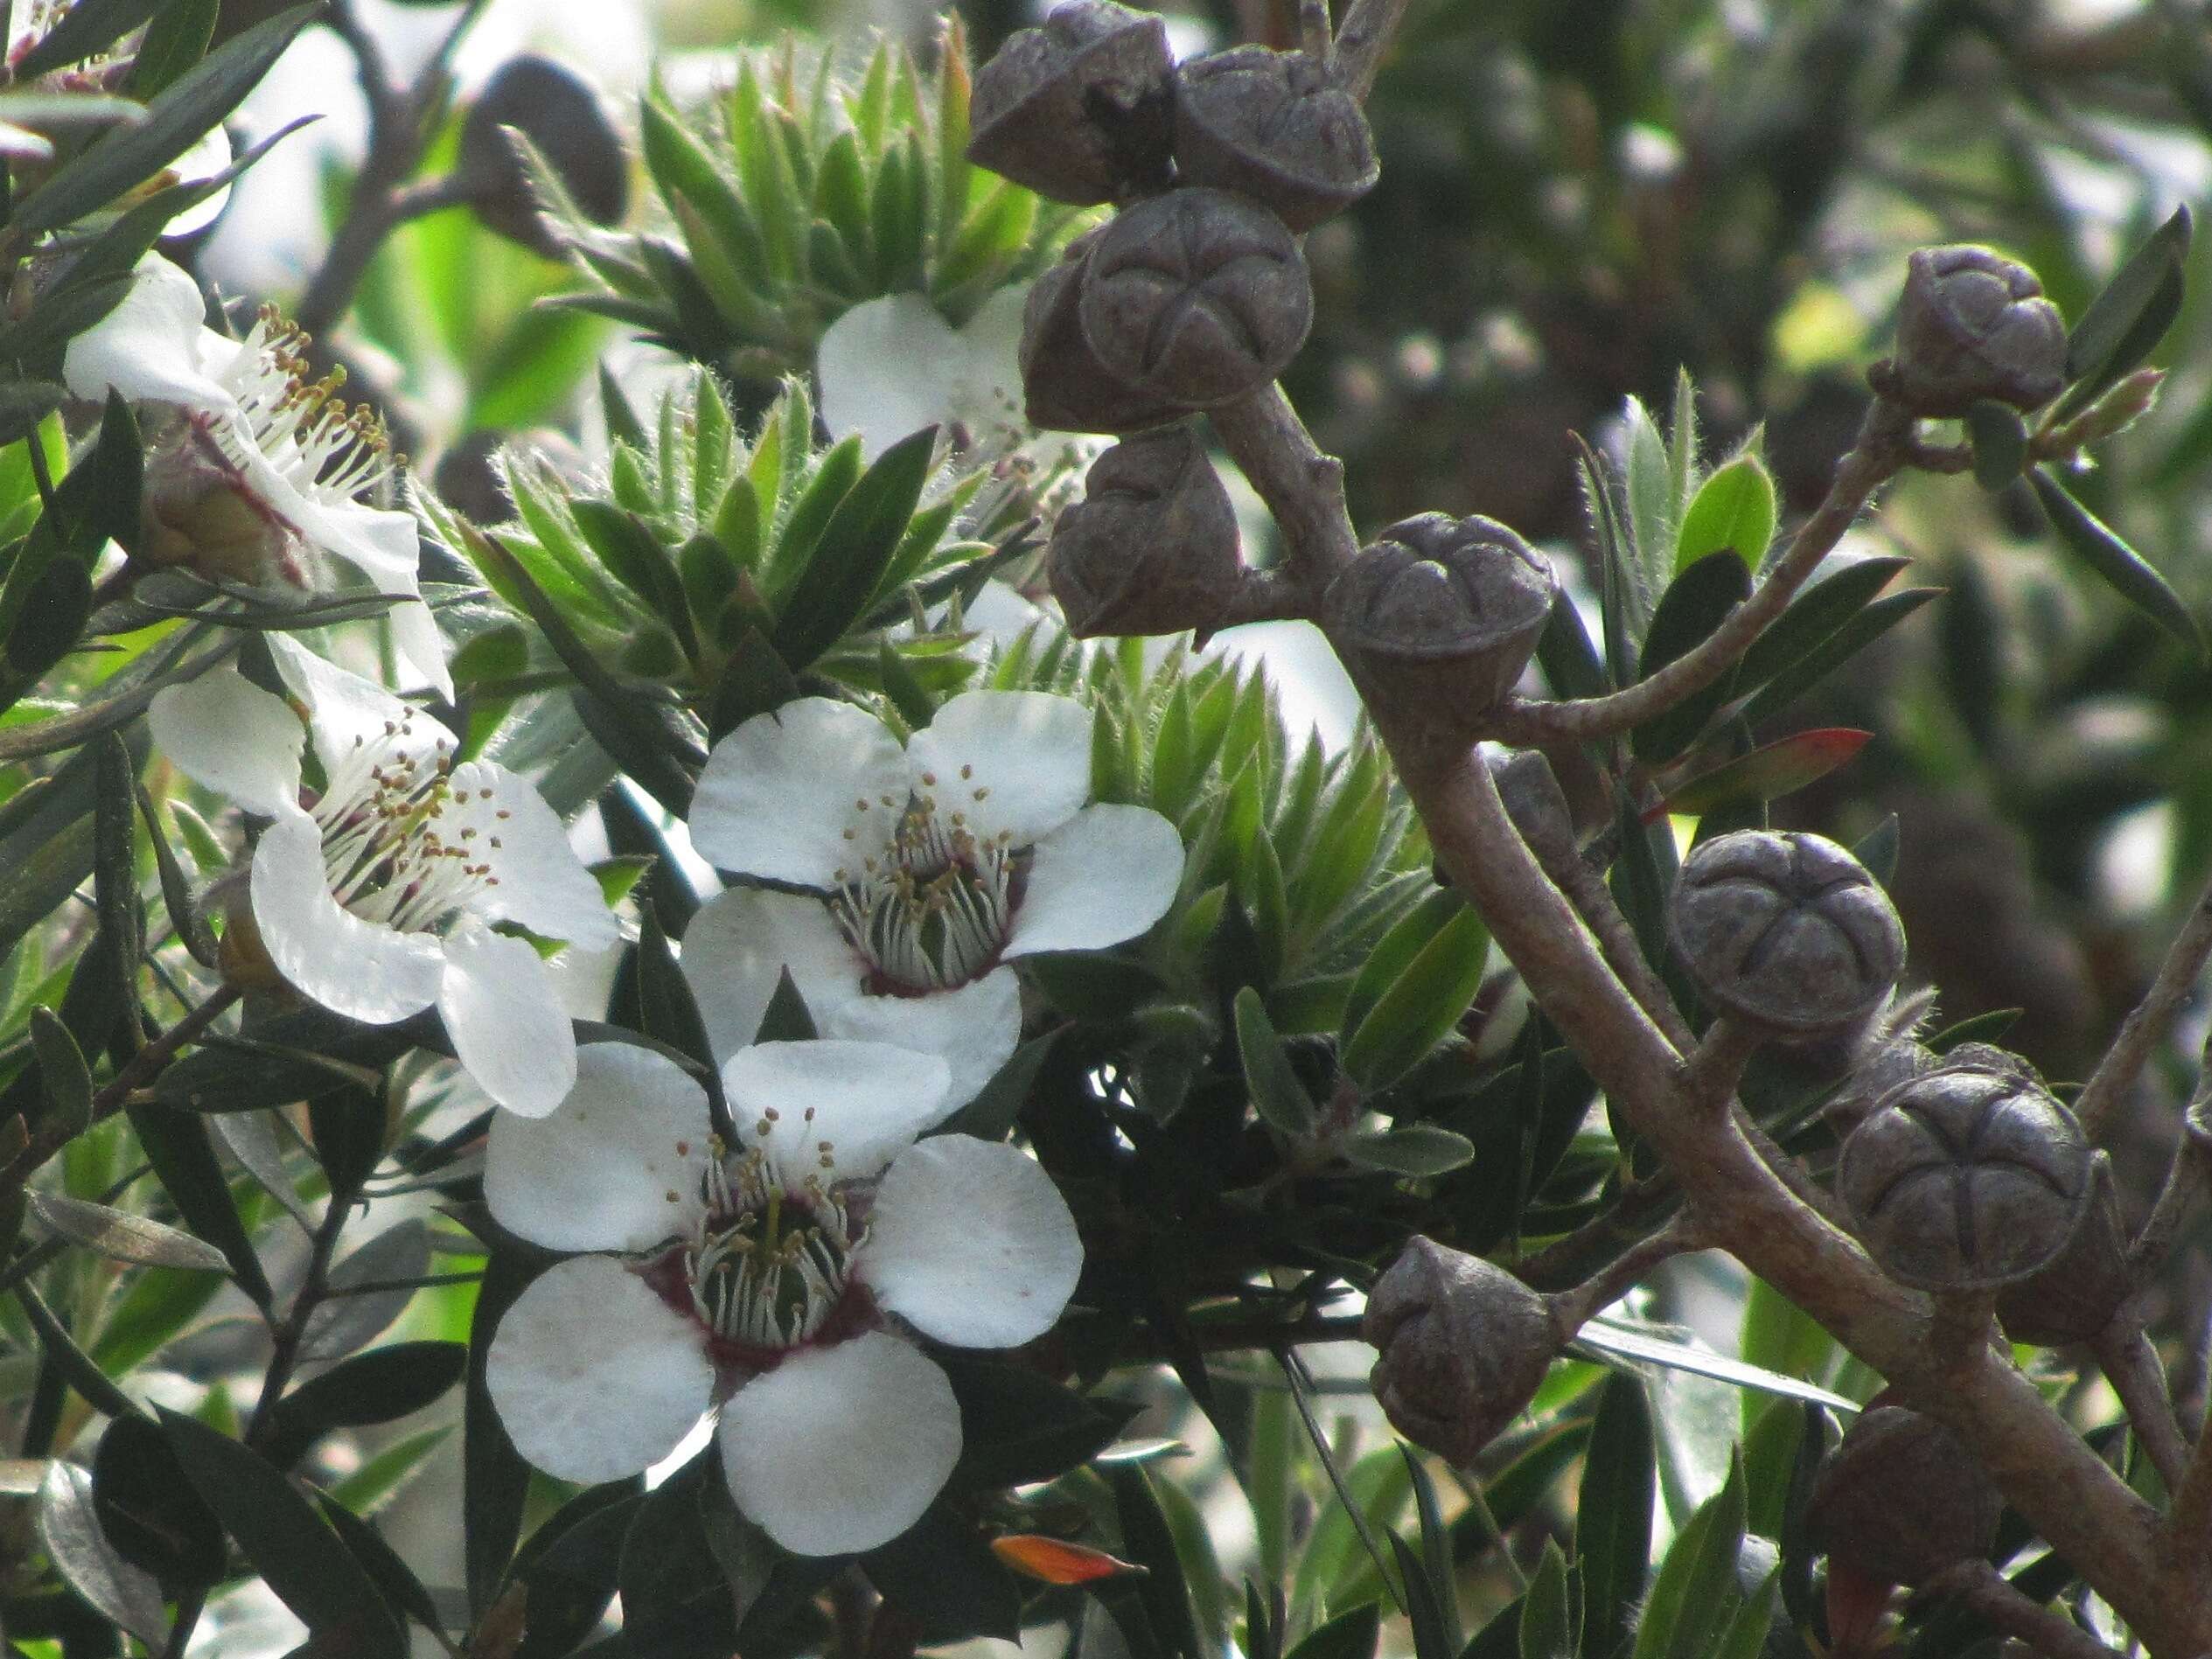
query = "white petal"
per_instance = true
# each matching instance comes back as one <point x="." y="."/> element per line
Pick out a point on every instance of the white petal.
<point x="616" y="1166"/>
<point x="542" y="883"/>
<point x="988" y="395"/>
<point x="973" y="1029"/>
<point x="147" y="347"/>
<point x="349" y="716"/>
<point x="866" y="1100"/>
<point x="359" y="969"/>
<point x="228" y="735"/>
<point x="386" y="548"/>
<point x="889" y="368"/>
<point x="594" y="1375"/>
<point x="1016" y="763"/>
<point x="840" y="1449"/>
<point x="420" y="648"/>
<point x="778" y="794"/>
<point x="508" y="1029"/>
<point x="971" y="1243"/>
<point x="737" y="945"/>
<point x="1104" y="877"/>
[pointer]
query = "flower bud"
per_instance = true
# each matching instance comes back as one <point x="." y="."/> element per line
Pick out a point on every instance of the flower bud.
<point x="561" y="116"/>
<point x="1152" y="547"/>
<point x="1901" y="1498"/>
<point x="1786" y="934"/>
<point x="1275" y="126"/>
<point x="2075" y="1299"/>
<point x="1974" y="325"/>
<point x="1064" y="387"/>
<point x="1443" y="609"/>
<point x="1464" y="1346"/>
<point x="1078" y="108"/>
<point x="198" y="512"/>
<point x="1965" y="1179"/>
<point x="1536" y="804"/>
<point x="1198" y="297"/>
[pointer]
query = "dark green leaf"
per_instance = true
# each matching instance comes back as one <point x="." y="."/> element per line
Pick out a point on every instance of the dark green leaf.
<point x="664" y="995"/>
<point x="1431" y="1639"/>
<point x="1877" y="849"/>
<point x="177" y="1145"/>
<point x="149" y="1510"/>
<point x="63" y="1074"/>
<point x="495" y="1479"/>
<point x="1814" y="614"/>
<point x="184" y="113"/>
<point x="1018" y="1427"/>
<point x="291" y="1545"/>
<point x="375" y="1387"/>
<point x="1695" y="604"/>
<point x="1411" y="1149"/>
<point x="1612" y="1512"/>
<point x="177" y="40"/>
<point x="69" y="1364"/>
<point x="347" y="1124"/>
<point x="843" y="570"/>
<point x="629" y="548"/>
<point x="176" y="896"/>
<point x="1695" y="1595"/>
<point x="941" y="1574"/>
<point x="1275" y="1090"/>
<point x="1794" y="679"/>
<point x="1147" y="1541"/>
<point x="1349" y="1635"/>
<point x="1547" y="1620"/>
<point x="395" y="1257"/>
<point x="2125" y="323"/>
<point x="675" y="1600"/>
<point x="1421" y="1005"/>
<point x="402" y="1591"/>
<point x="84" y="29"/>
<point x="570" y="1564"/>
<point x="786" y="1019"/>
<point x="1999" y="437"/>
<point x="2094" y="543"/>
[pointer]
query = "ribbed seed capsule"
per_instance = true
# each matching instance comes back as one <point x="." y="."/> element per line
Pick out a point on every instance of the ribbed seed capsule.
<point x="1974" y="325"/>
<point x="1152" y="547"/>
<point x="1064" y="387"/>
<point x="1275" y="126"/>
<point x="1078" y="108"/>
<point x="1902" y="1498"/>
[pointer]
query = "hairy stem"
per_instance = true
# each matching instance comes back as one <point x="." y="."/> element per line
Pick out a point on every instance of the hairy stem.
<point x="2148" y="1022"/>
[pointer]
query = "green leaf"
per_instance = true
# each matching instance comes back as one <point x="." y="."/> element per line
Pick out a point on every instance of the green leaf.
<point x="787" y="1018"/>
<point x="1432" y="1640"/>
<point x="287" y="1540"/>
<point x="495" y="1479"/>
<point x="2094" y="544"/>
<point x="1767" y="774"/>
<point x="123" y="1237"/>
<point x="1825" y="606"/>
<point x="1694" y="1596"/>
<point x="1793" y="679"/>
<point x="1650" y="503"/>
<point x="84" y="29"/>
<point x="1613" y="1512"/>
<point x="1746" y="1636"/>
<point x="940" y="1574"/>
<point x="402" y="1592"/>
<point x="1999" y="437"/>
<point x="1547" y="1627"/>
<point x="1421" y="1005"/>
<point x="1280" y="1098"/>
<point x="1733" y="509"/>
<point x="184" y="113"/>
<point x="177" y="1145"/>
<point x="375" y="1387"/>
<point x="2125" y="323"/>
<point x="63" y="1074"/>
<point x="1349" y="1635"/>
<point x="1147" y="1541"/>
<point x="177" y="40"/>
<point x="149" y="1510"/>
<point x="1412" y="1149"/>
<point x="856" y="545"/>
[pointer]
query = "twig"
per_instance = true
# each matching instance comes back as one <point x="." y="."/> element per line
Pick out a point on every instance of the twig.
<point x="1716" y="1067"/>
<point x="1368" y="27"/>
<point x="1303" y="487"/>
<point x="292" y="1332"/>
<point x="1575" y="1307"/>
<point x="2130" y="1364"/>
<point x="1988" y="1592"/>
<point x="2148" y="1022"/>
<point x="1881" y="447"/>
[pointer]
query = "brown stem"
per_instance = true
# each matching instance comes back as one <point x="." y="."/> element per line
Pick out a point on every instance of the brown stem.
<point x="2130" y="1364"/>
<point x="1365" y="36"/>
<point x="1986" y="1591"/>
<point x="293" y="1329"/>
<point x="1623" y="951"/>
<point x="1303" y="487"/>
<point x="1881" y="447"/>
<point x="1575" y="1307"/>
<point x="1716" y="1066"/>
<point x="2148" y="1022"/>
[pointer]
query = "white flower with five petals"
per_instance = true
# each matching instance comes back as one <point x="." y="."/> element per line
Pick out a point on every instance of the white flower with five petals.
<point x="374" y="894"/>
<point x="928" y="870"/>
<point x="255" y="470"/>
<point x="775" y="1278"/>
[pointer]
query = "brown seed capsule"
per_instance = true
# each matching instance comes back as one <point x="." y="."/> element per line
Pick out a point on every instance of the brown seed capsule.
<point x="1535" y="802"/>
<point x="1078" y="108"/>
<point x="1787" y="934"/>
<point x="1275" y="126"/>
<point x="1152" y="547"/>
<point x="1198" y="297"/>
<point x="2075" y="1299"/>
<point x="562" y="116"/>
<point x="1901" y="1498"/>
<point x="1464" y="1346"/>
<point x="1965" y="1179"/>
<point x="1974" y="325"/>
<point x="1064" y="387"/>
<point x="1443" y="609"/>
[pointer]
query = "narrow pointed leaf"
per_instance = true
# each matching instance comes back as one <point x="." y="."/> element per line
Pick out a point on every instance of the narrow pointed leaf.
<point x="2125" y="323"/>
<point x="1765" y="774"/>
<point x="1733" y="509"/>
<point x="2089" y="538"/>
<point x="1280" y="1100"/>
<point x="123" y="1237"/>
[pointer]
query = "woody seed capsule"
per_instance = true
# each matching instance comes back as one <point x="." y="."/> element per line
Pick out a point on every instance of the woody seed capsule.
<point x="2075" y="1299"/>
<point x="1152" y="547"/>
<point x="1965" y="1179"/>
<point x="1064" y="387"/>
<point x="1901" y="1498"/>
<point x="1535" y="802"/>
<point x="1787" y="934"/>
<point x="1443" y="609"/>
<point x="1078" y="108"/>
<point x="1464" y="1346"/>
<point x="1974" y="325"/>
<point x="1275" y="126"/>
<point x="1198" y="297"/>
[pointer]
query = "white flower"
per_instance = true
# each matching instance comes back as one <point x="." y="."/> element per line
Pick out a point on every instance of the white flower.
<point x="774" y="1278"/>
<point x="255" y="470"/>
<point x="931" y="867"/>
<point x="374" y="898"/>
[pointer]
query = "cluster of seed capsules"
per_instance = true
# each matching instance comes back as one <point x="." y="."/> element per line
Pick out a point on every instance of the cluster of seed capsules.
<point x="1196" y="295"/>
